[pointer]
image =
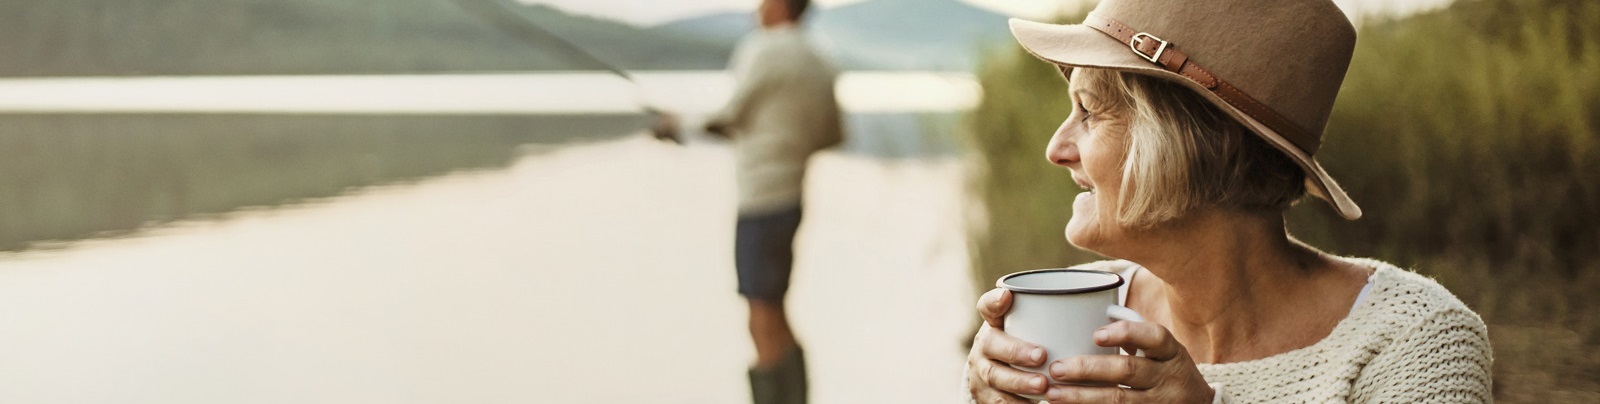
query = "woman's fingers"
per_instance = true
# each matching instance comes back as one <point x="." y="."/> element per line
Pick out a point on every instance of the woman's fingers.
<point x="993" y="306"/>
<point x="1157" y="343"/>
<point x="997" y="345"/>
<point x="992" y="379"/>
<point x="1165" y="374"/>
<point x="988" y="368"/>
<point x="1010" y="380"/>
<point x="1084" y="394"/>
<point x="1131" y="371"/>
<point x="988" y="396"/>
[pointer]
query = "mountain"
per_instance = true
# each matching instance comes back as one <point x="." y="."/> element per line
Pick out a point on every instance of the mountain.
<point x="910" y="34"/>
<point x="181" y="37"/>
<point x="231" y="37"/>
<point x="877" y="34"/>
<point x="722" y="28"/>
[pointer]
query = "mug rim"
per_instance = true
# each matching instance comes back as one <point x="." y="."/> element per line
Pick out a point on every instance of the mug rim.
<point x="1040" y="291"/>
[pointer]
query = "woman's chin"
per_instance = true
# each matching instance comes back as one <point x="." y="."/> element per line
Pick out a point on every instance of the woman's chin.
<point x="1077" y="233"/>
<point x="1083" y="211"/>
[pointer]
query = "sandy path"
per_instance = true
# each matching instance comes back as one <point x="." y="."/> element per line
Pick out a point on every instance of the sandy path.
<point x="598" y="273"/>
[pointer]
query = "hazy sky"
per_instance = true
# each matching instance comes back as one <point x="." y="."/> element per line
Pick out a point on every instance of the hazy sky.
<point x="650" y="12"/>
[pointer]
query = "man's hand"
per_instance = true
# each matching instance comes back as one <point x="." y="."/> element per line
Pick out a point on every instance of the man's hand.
<point x="719" y="129"/>
<point x="665" y="127"/>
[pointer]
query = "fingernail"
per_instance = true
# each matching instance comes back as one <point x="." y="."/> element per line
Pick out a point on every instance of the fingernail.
<point x="1058" y="370"/>
<point x="1101" y="335"/>
<point x="1037" y="355"/>
<point x="1037" y="384"/>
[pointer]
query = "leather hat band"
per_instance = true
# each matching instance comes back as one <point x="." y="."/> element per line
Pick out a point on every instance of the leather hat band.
<point x="1169" y="57"/>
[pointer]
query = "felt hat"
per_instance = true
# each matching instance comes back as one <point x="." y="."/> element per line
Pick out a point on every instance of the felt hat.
<point x="1273" y="65"/>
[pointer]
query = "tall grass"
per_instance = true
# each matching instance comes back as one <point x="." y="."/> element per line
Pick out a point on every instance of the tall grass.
<point x="1025" y="201"/>
<point x="1470" y="136"/>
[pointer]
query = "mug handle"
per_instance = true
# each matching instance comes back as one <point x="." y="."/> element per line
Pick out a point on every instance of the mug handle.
<point x="1116" y="312"/>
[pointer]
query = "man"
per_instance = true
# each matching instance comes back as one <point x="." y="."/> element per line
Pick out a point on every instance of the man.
<point x="782" y="111"/>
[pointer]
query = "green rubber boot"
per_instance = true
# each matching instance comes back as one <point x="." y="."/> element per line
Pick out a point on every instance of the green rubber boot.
<point x="783" y="384"/>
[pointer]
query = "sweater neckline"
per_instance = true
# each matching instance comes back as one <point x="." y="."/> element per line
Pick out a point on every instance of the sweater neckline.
<point x="1380" y="275"/>
<point x="1381" y="272"/>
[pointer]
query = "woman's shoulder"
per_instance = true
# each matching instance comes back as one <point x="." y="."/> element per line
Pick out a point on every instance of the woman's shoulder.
<point x="1425" y="341"/>
<point x="1407" y="315"/>
<point x="1402" y="293"/>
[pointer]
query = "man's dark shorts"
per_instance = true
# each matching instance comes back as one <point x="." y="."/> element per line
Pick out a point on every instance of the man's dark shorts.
<point x="764" y="253"/>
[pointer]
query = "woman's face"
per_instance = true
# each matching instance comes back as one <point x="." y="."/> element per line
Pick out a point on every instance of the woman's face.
<point x="1092" y="143"/>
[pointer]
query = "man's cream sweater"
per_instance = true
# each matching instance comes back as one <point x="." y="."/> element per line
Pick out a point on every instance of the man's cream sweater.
<point x="783" y="109"/>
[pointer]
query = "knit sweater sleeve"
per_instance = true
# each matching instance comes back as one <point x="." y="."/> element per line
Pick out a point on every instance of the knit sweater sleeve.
<point x="1446" y="357"/>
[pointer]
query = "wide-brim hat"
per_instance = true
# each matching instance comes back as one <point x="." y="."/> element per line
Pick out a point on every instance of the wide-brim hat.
<point x="1273" y="65"/>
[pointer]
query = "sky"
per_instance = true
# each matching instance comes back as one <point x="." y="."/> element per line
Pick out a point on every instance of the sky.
<point x="651" y="12"/>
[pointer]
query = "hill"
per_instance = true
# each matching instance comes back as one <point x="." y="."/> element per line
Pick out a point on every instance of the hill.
<point x="179" y="37"/>
<point x="235" y="37"/>
<point x="877" y="34"/>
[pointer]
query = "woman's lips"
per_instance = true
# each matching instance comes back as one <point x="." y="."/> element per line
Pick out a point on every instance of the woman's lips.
<point x="1082" y="184"/>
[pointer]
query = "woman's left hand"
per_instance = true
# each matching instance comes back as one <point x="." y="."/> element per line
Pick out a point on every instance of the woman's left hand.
<point x="1166" y="374"/>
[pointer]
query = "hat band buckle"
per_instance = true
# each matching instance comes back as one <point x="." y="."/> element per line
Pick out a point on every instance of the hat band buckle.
<point x="1139" y="38"/>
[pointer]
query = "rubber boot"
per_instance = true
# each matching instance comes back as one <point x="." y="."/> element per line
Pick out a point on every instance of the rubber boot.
<point x="783" y="384"/>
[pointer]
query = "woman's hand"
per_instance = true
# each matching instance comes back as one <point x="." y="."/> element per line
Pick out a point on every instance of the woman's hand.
<point x="1166" y="373"/>
<point x="989" y="377"/>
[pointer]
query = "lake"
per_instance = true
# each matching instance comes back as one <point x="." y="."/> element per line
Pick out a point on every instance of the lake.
<point x="470" y="238"/>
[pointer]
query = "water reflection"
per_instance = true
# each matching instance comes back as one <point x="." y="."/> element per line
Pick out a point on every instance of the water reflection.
<point x="73" y="176"/>
<point x="67" y="177"/>
<point x="552" y="280"/>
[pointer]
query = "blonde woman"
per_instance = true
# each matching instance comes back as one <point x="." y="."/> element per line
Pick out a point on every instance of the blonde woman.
<point x="1194" y="128"/>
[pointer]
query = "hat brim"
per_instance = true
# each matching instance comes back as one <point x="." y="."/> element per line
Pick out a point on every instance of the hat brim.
<point x="1082" y="46"/>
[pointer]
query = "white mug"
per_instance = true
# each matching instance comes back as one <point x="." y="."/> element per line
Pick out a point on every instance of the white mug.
<point x="1059" y="309"/>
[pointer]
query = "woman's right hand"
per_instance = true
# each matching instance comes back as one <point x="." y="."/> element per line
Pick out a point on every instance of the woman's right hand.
<point x="990" y="377"/>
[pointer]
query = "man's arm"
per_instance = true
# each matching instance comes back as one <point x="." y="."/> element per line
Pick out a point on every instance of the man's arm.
<point x="754" y="78"/>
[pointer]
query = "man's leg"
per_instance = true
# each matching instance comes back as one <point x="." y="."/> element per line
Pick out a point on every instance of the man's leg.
<point x="769" y="327"/>
<point x="765" y="254"/>
<point x="779" y="375"/>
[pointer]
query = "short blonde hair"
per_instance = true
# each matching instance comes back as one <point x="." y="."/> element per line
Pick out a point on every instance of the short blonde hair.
<point x="1184" y="153"/>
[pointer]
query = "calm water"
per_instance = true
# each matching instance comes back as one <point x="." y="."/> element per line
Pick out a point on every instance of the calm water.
<point x="423" y="256"/>
<point x="90" y="158"/>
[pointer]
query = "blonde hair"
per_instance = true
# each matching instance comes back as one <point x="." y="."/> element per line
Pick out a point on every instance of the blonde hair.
<point x="1183" y="153"/>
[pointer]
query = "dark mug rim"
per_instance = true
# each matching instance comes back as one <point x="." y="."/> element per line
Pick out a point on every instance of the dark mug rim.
<point x="1039" y="291"/>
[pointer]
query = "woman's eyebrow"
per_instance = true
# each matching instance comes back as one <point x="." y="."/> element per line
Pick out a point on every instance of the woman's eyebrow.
<point x="1079" y="93"/>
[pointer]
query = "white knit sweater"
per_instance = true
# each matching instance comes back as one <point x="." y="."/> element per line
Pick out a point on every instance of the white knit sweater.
<point x="1408" y="340"/>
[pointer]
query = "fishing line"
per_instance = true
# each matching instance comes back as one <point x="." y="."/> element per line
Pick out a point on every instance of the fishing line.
<point x="507" y="19"/>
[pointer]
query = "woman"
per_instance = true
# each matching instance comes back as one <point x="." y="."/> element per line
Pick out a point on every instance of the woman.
<point x="1193" y="130"/>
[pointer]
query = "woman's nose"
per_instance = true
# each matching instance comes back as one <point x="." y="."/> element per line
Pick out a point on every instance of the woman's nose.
<point x="1063" y="147"/>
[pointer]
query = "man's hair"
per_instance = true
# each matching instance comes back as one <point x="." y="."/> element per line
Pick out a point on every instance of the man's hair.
<point x="797" y="8"/>
<point x="1185" y="153"/>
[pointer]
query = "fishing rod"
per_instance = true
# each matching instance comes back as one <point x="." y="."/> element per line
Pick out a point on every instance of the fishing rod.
<point x="507" y="19"/>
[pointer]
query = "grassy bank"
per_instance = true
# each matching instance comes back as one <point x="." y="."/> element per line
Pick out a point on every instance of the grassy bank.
<point x="1470" y="135"/>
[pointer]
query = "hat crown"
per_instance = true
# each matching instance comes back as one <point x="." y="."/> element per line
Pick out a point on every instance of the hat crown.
<point x="1291" y="55"/>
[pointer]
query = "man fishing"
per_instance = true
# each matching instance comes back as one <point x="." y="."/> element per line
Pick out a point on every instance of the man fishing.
<point x="782" y="110"/>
